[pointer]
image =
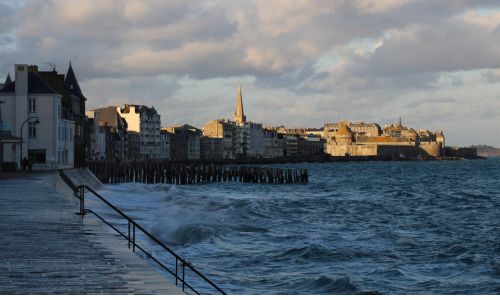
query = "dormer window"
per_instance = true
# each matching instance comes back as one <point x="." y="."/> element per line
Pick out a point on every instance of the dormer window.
<point x="71" y="86"/>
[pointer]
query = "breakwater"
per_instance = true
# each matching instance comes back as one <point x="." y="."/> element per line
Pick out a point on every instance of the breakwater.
<point x="167" y="172"/>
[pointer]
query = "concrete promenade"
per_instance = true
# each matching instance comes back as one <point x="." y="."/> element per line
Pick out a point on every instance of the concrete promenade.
<point x="45" y="248"/>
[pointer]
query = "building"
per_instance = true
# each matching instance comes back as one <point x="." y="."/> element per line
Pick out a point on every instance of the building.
<point x="395" y="140"/>
<point x="224" y="130"/>
<point x="134" y="145"/>
<point x="109" y="127"/>
<point x="185" y="142"/>
<point x="8" y="143"/>
<point x="95" y="137"/>
<point x="310" y="145"/>
<point x="360" y="129"/>
<point x="212" y="148"/>
<point x="74" y="101"/>
<point x="35" y="111"/>
<point x="165" y="144"/>
<point x="146" y="122"/>
<point x="290" y="143"/>
<point x="248" y="141"/>
<point x="240" y="138"/>
<point x="302" y="141"/>
<point x="273" y="144"/>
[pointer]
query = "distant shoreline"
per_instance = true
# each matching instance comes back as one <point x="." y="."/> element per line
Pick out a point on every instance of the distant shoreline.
<point x="310" y="159"/>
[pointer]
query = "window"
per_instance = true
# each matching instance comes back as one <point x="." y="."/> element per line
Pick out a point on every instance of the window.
<point x="31" y="105"/>
<point x="31" y="130"/>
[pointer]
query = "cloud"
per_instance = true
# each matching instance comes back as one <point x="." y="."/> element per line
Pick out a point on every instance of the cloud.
<point x="303" y="62"/>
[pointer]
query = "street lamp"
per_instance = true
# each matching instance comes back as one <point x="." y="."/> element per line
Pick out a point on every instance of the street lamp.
<point x="22" y="125"/>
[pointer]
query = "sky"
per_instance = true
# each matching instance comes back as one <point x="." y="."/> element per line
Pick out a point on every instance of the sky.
<point x="300" y="63"/>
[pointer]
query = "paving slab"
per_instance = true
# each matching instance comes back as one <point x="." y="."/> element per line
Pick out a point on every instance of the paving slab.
<point x="45" y="248"/>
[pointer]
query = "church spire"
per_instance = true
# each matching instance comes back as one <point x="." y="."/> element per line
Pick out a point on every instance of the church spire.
<point x="239" y="115"/>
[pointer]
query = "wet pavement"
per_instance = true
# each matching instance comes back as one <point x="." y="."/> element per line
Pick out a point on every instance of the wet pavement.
<point x="45" y="248"/>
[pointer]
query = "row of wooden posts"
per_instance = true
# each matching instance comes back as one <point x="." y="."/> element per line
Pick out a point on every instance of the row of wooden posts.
<point x="166" y="172"/>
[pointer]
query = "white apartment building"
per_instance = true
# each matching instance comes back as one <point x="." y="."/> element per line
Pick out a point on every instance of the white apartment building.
<point x="145" y="121"/>
<point x="32" y="109"/>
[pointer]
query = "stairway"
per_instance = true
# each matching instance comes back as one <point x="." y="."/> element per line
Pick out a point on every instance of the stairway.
<point x="83" y="176"/>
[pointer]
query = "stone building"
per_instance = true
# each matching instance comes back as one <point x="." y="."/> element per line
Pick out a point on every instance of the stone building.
<point x="366" y="129"/>
<point x="224" y="130"/>
<point x="395" y="140"/>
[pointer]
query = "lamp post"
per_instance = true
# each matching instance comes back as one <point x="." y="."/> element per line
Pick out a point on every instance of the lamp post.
<point x="22" y="125"/>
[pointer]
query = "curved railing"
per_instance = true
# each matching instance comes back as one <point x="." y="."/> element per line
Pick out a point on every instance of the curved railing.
<point x="180" y="276"/>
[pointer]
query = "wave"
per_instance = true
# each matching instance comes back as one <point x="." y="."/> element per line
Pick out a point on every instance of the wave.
<point x="310" y="252"/>
<point x="249" y="228"/>
<point x="328" y="285"/>
<point x="475" y="196"/>
<point x="189" y="234"/>
<point x="185" y="235"/>
<point x="452" y="251"/>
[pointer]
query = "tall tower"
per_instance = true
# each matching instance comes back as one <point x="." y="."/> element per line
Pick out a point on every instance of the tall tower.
<point x="239" y="115"/>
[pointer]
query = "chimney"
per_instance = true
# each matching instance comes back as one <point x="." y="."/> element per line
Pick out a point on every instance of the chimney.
<point x="21" y="80"/>
<point x="33" y="68"/>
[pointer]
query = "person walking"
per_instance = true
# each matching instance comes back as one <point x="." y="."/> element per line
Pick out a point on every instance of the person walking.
<point x="24" y="164"/>
<point x="30" y="164"/>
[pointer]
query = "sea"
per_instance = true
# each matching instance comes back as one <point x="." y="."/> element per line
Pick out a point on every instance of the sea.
<point x="409" y="227"/>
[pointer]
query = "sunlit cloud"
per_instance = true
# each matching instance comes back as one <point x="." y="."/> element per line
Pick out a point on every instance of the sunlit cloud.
<point x="301" y="63"/>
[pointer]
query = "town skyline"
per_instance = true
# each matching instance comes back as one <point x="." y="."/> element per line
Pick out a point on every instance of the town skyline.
<point x="308" y="65"/>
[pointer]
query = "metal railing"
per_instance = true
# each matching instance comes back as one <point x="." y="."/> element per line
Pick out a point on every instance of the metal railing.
<point x="79" y="192"/>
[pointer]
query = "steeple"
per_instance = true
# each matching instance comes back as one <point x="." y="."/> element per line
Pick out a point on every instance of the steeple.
<point x="400" y="123"/>
<point x="239" y="115"/>
<point x="7" y="80"/>
<point x="71" y="84"/>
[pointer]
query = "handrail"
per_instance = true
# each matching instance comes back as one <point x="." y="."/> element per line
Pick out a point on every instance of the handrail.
<point x="79" y="192"/>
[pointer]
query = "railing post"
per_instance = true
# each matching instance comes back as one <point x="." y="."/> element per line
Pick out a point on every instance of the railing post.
<point x="81" y="195"/>
<point x="183" y="275"/>
<point x="176" y="276"/>
<point x="129" y="234"/>
<point x="133" y="237"/>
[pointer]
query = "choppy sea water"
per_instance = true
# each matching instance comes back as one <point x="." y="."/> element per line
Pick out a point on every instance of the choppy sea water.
<point x="360" y="227"/>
